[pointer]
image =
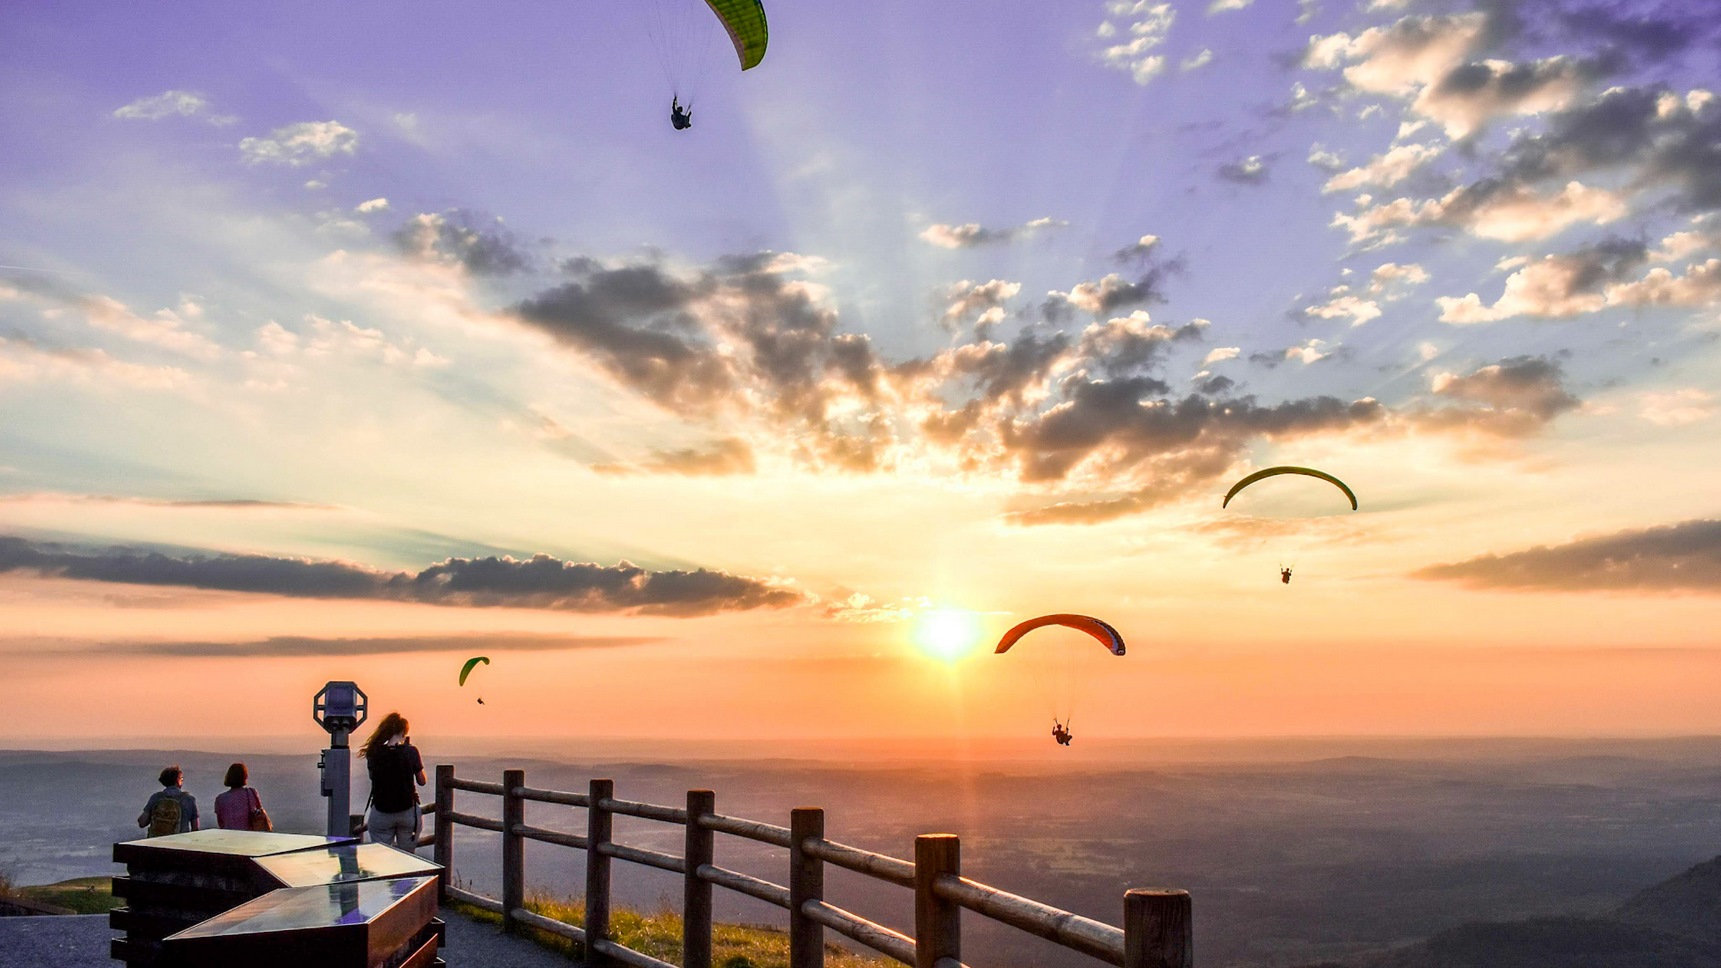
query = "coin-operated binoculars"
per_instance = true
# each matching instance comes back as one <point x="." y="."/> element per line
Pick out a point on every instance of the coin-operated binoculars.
<point x="338" y="707"/>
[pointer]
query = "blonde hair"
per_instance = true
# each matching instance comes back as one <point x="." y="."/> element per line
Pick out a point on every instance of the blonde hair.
<point x="392" y="725"/>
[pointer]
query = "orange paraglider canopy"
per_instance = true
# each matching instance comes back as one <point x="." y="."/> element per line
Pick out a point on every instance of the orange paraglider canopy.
<point x="1102" y="632"/>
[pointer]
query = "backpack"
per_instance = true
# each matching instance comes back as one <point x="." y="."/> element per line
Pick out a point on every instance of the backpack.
<point x="164" y="816"/>
<point x="391" y="779"/>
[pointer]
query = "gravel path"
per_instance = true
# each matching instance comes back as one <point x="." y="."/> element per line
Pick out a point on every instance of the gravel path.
<point x="65" y="941"/>
<point x="81" y="941"/>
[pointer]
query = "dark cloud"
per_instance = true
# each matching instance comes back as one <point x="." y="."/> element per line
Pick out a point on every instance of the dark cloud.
<point x="1677" y="557"/>
<point x="1663" y="139"/>
<point x="460" y="237"/>
<point x="1511" y="398"/>
<point x="742" y="338"/>
<point x="237" y="504"/>
<point x="292" y="646"/>
<point x="1247" y="171"/>
<point x="540" y="582"/>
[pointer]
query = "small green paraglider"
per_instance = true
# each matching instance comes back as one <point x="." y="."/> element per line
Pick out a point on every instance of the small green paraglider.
<point x="466" y="670"/>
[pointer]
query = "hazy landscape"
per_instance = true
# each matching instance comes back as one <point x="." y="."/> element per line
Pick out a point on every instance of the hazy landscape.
<point x="1295" y="851"/>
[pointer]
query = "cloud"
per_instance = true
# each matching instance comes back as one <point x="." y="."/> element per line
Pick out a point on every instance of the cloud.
<point x="300" y="144"/>
<point x="740" y="339"/>
<point x="371" y="206"/>
<point x="1146" y="25"/>
<point x="229" y="504"/>
<point x="1677" y="408"/>
<point x="342" y="339"/>
<point x="973" y="235"/>
<point x="1249" y="171"/>
<point x="185" y="104"/>
<point x="1107" y="294"/>
<point x="1491" y="210"/>
<point x="452" y="239"/>
<point x="172" y="329"/>
<point x="1677" y="557"/>
<point x="539" y="582"/>
<point x="1197" y="60"/>
<point x="722" y="458"/>
<point x="1512" y="398"/>
<point x="1220" y="354"/>
<point x="1343" y="304"/>
<point x="25" y="360"/>
<point x="982" y="302"/>
<point x="1554" y="287"/>
<point x="1384" y="170"/>
<point x="294" y="646"/>
<point x="1391" y="279"/>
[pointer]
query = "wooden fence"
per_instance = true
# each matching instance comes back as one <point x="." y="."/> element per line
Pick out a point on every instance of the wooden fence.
<point x="1157" y="931"/>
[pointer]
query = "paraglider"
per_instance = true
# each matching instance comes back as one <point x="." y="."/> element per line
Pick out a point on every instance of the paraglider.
<point x="1102" y="632"/>
<point x="1276" y="471"/>
<point x="1105" y="634"/>
<point x="682" y="32"/>
<point x="1284" y="571"/>
<point x="466" y="670"/>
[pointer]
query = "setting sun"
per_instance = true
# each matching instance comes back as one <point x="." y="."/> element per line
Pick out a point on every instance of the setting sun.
<point x="947" y="633"/>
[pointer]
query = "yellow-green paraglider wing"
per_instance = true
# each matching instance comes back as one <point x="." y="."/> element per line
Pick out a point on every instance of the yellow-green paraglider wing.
<point x="466" y="669"/>
<point x="745" y="21"/>
<point x="1276" y="471"/>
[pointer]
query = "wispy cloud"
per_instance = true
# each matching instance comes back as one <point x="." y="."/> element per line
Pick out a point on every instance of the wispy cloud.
<point x="296" y="145"/>
<point x="169" y="104"/>
<point x="973" y="234"/>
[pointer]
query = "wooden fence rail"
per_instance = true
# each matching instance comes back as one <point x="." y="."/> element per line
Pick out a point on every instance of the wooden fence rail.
<point x="1157" y="928"/>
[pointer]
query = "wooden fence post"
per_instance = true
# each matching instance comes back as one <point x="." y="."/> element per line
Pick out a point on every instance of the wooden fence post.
<point x="513" y="848"/>
<point x="442" y="852"/>
<point x="1158" y="929"/>
<point x="696" y="893"/>
<point x="599" y="824"/>
<point x="806" y="883"/>
<point x="937" y="922"/>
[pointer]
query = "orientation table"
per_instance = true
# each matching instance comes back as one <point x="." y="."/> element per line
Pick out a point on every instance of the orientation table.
<point x="225" y="897"/>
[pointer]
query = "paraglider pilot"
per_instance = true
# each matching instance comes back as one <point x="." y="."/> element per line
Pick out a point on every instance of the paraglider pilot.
<point x="1061" y="733"/>
<point x="679" y="116"/>
<point x="1285" y="575"/>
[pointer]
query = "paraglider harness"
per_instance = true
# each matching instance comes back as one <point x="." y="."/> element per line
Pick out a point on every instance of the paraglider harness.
<point x="680" y="117"/>
<point x="1061" y="733"/>
<point x="1284" y="574"/>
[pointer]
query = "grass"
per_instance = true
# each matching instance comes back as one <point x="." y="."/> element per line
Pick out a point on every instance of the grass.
<point x="80" y="895"/>
<point x="659" y="935"/>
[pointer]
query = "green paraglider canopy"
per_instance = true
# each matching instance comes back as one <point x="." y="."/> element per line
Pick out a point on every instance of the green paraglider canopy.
<point x="466" y="669"/>
<point x="745" y="21"/>
<point x="1276" y="471"/>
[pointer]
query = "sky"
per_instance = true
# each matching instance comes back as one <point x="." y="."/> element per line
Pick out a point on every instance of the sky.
<point x="347" y="341"/>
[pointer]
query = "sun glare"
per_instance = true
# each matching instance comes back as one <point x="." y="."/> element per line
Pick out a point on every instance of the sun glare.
<point x="947" y="633"/>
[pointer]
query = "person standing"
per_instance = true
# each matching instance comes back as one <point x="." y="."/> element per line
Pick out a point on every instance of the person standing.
<point x="240" y="808"/>
<point x="394" y="764"/>
<point x="169" y="810"/>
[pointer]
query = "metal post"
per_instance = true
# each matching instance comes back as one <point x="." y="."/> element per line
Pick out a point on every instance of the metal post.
<point x="599" y="823"/>
<point x="443" y="850"/>
<point x="696" y="893"/>
<point x="513" y="848"/>
<point x="937" y="922"/>
<point x="337" y="764"/>
<point x="806" y="883"/>
<point x="1158" y="929"/>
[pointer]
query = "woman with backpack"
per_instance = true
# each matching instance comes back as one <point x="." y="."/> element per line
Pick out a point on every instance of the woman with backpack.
<point x="393" y="763"/>
<point x="240" y="808"/>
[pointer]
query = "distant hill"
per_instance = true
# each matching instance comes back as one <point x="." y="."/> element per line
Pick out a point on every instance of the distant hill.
<point x="1675" y="924"/>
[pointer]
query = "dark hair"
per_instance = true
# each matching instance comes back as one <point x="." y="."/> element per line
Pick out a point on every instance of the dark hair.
<point x="237" y="776"/>
<point x="171" y="774"/>
<point x="392" y="725"/>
